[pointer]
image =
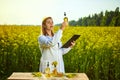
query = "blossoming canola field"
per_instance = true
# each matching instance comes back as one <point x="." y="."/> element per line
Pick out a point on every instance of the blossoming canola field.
<point x="96" y="53"/>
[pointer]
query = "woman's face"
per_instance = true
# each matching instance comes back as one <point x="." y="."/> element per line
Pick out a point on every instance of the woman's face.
<point x="49" y="24"/>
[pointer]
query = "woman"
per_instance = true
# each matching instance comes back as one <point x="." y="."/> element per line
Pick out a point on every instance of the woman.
<point x="50" y="46"/>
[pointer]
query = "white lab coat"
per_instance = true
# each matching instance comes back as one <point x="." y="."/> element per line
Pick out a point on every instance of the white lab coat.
<point x="51" y="51"/>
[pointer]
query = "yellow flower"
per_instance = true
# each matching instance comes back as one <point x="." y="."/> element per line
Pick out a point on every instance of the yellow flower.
<point x="54" y="63"/>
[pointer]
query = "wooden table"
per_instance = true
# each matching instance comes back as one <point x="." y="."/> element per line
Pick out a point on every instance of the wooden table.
<point x="29" y="76"/>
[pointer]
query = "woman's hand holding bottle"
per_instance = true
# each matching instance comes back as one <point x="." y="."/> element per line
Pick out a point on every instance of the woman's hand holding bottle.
<point x="64" y="24"/>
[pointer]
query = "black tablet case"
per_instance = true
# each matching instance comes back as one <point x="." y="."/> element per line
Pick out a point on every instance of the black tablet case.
<point x="68" y="43"/>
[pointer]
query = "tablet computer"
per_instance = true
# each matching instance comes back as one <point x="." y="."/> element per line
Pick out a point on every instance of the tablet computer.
<point x="68" y="43"/>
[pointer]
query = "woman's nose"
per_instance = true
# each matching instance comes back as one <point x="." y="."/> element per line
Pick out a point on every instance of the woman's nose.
<point x="51" y="23"/>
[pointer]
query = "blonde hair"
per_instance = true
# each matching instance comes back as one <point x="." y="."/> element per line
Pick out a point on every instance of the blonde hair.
<point x="43" y="30"/>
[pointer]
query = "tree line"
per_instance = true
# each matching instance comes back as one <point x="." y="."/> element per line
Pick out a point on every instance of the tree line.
<point x="109" y="18"/>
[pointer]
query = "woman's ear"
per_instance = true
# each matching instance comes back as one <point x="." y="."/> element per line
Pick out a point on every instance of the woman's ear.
<point x="45" y="27"/>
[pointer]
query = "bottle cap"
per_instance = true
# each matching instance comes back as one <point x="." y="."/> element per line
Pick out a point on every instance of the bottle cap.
<point x="48" y="64"/>
<point x="64" y="13"/>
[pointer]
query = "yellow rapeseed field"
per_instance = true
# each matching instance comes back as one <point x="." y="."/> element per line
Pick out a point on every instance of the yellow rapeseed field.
<point x="96" y="53"/>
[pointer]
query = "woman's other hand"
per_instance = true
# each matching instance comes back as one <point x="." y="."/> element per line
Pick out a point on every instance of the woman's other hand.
<point x="72" y="44"/>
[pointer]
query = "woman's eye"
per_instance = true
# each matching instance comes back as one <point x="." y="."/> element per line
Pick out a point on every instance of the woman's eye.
<point x="49" y="22"/>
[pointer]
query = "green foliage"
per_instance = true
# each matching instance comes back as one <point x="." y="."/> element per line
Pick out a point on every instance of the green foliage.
<point x="96" y="53"/>
<point x="111" y="18"/>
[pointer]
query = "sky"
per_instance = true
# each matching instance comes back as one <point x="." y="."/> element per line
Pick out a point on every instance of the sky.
<point x="32" y="12"/>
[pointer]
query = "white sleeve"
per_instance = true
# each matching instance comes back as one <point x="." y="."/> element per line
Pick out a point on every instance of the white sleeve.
<point x="50" y="42"/>
<point x="64" y="50"/>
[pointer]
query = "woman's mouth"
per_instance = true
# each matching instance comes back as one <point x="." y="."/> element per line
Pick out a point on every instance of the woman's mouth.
<point x="51" y="26"/>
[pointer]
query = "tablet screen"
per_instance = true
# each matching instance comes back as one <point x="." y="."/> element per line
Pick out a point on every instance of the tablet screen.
<point x="68" y="43"/>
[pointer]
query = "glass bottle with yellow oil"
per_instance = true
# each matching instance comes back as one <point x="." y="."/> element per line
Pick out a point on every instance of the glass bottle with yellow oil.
<point x="65" y="18"/>
<point x="47" y="69"/>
